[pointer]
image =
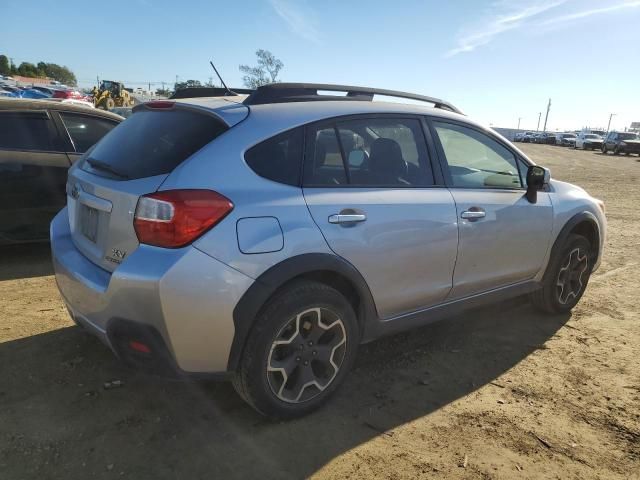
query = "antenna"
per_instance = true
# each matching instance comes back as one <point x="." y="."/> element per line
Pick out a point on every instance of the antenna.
<point x="229" y="91"/>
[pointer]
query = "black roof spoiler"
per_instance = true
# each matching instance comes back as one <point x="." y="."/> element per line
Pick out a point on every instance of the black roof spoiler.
<point x="308" y="92"/>
<point x="196" y="92"/>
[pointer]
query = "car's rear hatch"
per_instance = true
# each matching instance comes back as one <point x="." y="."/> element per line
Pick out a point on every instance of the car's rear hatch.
<point x="132" y="160"/>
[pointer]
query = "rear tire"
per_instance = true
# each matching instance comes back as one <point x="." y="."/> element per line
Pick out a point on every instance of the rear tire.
<point x="566" y="278"/>
<point x="616" y="150"/>
<point x="302" y="346"/>
<point x="604" y="149"/>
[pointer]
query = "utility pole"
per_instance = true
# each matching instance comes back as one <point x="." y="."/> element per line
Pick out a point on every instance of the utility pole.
<point x="547" y="116"/>
<point x="609" y="125"/>
<point x="538" y="127"/>
<point x="519" y="118"/>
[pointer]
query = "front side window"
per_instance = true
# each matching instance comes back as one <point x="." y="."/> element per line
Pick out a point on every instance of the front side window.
<point x="476" y="160"/>
<point x="371" y="152"/>
<point x="84" y="130"/>
<point x="26" y="131"/>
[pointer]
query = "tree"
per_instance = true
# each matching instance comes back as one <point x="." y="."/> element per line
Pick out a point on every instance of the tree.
<point x="163" y="92"/>
<point x="27" y="69"/>
<point x="265" y="72"/>
<point x="5" y="68"/>
<point x="61" y="74"/>
<point x="187" y="84"/>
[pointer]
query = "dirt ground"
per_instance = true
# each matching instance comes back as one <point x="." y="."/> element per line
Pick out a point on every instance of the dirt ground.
<point x="500" y="392"/>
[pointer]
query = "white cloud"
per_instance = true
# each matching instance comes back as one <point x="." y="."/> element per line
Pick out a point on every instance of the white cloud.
<point x="588" y="13"/>
<point x="298" y="17"/>
<point x="501" y="18"/>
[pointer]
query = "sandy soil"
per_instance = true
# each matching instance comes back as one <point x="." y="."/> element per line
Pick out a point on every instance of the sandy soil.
<point x="501" y="392"/>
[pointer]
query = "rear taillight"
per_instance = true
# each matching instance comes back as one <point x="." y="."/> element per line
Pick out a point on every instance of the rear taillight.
<point x="175" y="218"/>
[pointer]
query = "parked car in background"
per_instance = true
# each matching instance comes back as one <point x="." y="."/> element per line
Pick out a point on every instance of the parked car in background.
<point x="71" y="94"/>
<point x="621" y="142"/>
<point x="548" y="138"/>
<point x="46" y="90"/>
<point x="73" y="101"/>
<point x="39" y="140"/>
<point x="528" y="137"/>
<point x="566" y="139"/>
<point x="589" y="141"/>
<point x="266" y="241"/>
<point x="518" y="136"/>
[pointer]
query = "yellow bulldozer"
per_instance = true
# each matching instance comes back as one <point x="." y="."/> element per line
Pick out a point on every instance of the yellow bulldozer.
<point x="111" y="94"/>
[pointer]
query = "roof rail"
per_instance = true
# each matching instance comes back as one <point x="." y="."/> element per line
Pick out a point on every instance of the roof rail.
<point x="308" y="92"/>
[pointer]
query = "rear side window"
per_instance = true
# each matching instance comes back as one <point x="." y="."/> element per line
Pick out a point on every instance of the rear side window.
<point x="26" y="131"/>
<point x="152" y="142"/>
<point x="84" y="130"/>
<point x="369" y="152"/>
<point x="278" y="158"/>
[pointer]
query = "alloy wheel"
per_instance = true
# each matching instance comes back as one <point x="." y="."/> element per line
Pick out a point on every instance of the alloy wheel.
<point x="570" y="278"/>
<point x="306" y="355"/>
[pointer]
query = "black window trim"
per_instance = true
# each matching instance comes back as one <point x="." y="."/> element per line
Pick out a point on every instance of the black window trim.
<point x="332" y="122"/>
<point x="442" y="159"/>
<point x="53" y="130"/>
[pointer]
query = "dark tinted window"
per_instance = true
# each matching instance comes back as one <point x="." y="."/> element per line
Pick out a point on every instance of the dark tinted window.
<point x="152" y="142"/>
<point x="26" y="131"/>
<point x="278" y="158"/>
<point x="84" y="130"/>
<point x="378" y="152"/>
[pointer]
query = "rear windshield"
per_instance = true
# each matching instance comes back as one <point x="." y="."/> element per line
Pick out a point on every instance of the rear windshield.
<point x="151" y="142"/>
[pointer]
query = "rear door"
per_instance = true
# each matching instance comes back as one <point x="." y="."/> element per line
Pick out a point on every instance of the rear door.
<point x="371" y="189"/>
<point x="33" y="173"/>
<point x="132" y="160"/>
<point x="503" y="239"/>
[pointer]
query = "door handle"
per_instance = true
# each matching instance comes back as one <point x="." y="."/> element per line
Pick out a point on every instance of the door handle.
<point x="347" y="218"/>
<point x="473" y="214"/>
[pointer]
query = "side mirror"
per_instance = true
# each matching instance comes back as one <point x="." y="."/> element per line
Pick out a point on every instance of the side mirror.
<point x="537" y="178"/>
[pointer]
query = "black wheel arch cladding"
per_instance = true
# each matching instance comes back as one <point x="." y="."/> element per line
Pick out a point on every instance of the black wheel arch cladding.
<point x="248" y="308"/>
<point x="583" y="223"/>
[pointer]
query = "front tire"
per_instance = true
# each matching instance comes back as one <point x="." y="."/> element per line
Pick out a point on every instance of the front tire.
<point x="604" y="149"/>
<point x="566" y="278"/>
<point x="300" y="350"/>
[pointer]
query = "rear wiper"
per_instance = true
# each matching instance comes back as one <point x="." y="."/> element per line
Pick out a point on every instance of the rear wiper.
<point x="98" y="165"/>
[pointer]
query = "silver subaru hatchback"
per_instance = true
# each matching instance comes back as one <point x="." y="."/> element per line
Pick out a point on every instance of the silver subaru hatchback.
<point x="262" y="238"/>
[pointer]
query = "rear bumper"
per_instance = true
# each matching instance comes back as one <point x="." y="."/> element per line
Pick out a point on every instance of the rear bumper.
<point x="179" y="300"/>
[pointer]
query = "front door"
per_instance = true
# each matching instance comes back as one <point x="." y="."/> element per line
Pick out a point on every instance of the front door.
<point x="370" y="188"/>
<point x="503" y="238"/>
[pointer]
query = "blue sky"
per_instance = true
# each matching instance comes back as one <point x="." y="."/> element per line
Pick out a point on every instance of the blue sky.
<point x="496" y="60"/>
